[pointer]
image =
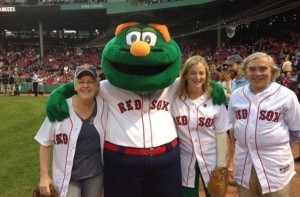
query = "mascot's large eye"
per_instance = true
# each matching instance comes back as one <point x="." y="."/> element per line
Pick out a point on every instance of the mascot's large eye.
<point x="133" y="37"/>
<point x="149" y="37"/>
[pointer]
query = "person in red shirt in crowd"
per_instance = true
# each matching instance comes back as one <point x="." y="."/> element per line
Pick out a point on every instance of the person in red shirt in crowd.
<point x="49" y="80"/>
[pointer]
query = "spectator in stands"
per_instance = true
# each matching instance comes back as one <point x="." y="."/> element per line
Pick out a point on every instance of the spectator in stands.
<point x="287" y="65"/>
<point x="287" y="80"/>
<point x="235" y="68"/>
<point x="296" y="63"/>
<point x="225" y="82"/>
<point x="50" y="80"/>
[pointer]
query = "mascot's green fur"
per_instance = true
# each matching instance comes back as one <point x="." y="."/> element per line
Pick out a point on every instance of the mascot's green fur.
<point x="142" y="57"/>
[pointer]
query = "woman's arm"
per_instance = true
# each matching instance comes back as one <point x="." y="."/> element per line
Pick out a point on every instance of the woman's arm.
<point x="221" y="149"/>
<point x="45" y="179"/>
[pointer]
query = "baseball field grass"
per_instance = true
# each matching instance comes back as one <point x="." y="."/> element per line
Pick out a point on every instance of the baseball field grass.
<point x="20" y="119"/>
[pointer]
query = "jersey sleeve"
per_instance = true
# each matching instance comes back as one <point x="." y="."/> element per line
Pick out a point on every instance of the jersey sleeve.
<point x="45" y="135"/>
<point x="221" y="120"/>
<point x="294" y="136"/>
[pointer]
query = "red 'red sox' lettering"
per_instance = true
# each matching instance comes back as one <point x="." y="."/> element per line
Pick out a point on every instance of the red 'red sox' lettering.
<point x="181" y="120"/>
<point x="264" y="115"/>
<point x="206" y="122"/>
<point x="241" y="114"/>
<point x="137" y="105"/>
<point x="203" y="122"/>
<point x="269" y="115"/>
<point x="127" y="106"/>
<point x="159" y="105"/>
<point x="61" y="138"/>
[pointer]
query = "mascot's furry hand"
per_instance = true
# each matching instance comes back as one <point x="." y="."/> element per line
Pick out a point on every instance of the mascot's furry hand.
<point x="57" y="108"/>
<point x="217" y="94"/>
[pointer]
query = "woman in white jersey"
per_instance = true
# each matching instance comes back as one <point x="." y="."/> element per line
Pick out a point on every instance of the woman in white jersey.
<point x="77" y="142"/>
<point x="201" y="126"/>
<point x="266" y="122"/>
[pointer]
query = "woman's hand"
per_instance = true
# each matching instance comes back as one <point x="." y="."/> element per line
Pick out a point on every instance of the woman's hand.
<point x="44" y="185"/>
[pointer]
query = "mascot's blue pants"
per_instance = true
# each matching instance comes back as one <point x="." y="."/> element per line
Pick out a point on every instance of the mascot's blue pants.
<point x="142" y="176"/>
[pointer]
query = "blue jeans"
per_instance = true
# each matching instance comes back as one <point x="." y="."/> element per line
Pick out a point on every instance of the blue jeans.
<point x="86" y="188"/>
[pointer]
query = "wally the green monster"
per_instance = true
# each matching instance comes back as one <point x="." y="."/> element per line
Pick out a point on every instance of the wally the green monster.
<point x="141" y="151"/>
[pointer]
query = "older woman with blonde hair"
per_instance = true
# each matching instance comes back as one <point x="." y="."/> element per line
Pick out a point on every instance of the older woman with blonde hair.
<point x="266" y="118"/>
<point x="201" y="127"/>
<point x="77" y="142"/>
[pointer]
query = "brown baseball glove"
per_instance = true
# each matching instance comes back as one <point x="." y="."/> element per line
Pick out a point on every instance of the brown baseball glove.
<point x="218" y="183"/>
<point x="36" y="192"/>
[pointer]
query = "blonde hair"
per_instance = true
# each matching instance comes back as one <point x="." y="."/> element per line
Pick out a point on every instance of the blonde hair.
<point x="182" y="90"/>
<point x="258" y="55"/>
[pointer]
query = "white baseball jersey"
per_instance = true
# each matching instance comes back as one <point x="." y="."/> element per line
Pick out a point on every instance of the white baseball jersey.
<point x="197" y="124"/>
<point x="141" y="120"/>
<point x="261" y="124"/>
<point x="63" y="137"/>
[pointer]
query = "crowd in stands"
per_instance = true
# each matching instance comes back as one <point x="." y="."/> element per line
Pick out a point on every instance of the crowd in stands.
<point x="284" y="47"/>
<point x="62" y="56"/>
<point x="59" y="61"/>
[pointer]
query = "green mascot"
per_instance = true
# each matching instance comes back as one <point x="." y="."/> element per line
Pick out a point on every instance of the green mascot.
<point x="141" y="151"/>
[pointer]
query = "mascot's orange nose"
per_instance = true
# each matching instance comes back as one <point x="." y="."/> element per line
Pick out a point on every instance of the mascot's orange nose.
<point x="140" y="49"/>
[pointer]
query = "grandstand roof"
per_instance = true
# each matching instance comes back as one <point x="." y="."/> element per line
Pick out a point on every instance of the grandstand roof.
<point x="53" y="18"/>
<point x="182" y="20"/>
